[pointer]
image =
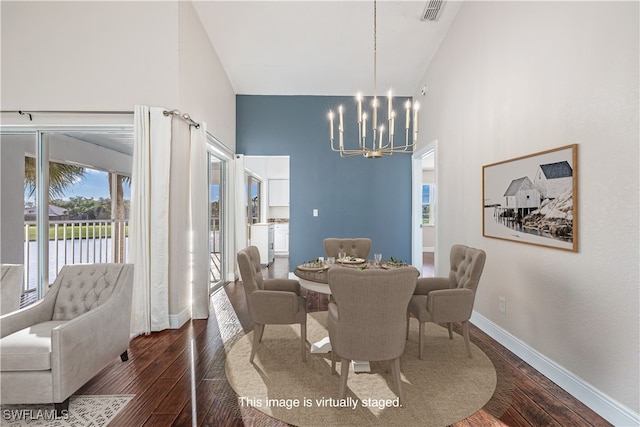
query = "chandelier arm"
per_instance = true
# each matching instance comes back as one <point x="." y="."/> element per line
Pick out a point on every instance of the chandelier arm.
<point x="378" y="149"/>
<point x="351" y="153"/>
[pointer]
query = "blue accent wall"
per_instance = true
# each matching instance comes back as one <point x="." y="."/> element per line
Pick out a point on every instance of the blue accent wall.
<point x="355" y="197"/>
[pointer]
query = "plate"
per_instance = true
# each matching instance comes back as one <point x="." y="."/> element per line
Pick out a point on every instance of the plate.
<point x="303" y="268"/>
<point x="351" y="261"/>
<point x="387" y="266"/>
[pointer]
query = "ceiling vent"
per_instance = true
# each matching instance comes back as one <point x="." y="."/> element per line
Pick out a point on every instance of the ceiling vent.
<point x="432" y="10"/>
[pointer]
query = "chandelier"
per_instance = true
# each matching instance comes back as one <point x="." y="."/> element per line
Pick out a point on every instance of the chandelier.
<point x="376" y="145"/>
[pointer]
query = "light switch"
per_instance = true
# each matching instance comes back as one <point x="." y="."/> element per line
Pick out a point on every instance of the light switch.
<point x="315" y="212"/>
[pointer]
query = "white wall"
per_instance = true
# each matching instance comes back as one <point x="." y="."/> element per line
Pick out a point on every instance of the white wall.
<point x="205" y="90"/>
<point x="89" y="55"/>
<point x="515" y="78"/>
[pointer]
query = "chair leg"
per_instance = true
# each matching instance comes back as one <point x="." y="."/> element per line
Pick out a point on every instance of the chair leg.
<point x="344" y="373"/>
<point x="408" y="320"/>
<point x="450" y="326"/>
<point x="124" y="356"/>
<point x="62" y="407"/>
<point x="395" y="371"/>
<point x="333" y="362"/>
<point x="261" y="333"/>
<point x="420" y="339"/>
<point x="258" y="328"/>
<point x="303" y="339"/>
<point x="465" y="334"/>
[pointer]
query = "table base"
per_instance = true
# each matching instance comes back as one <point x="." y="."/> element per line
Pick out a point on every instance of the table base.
<point x="324" y="346"/>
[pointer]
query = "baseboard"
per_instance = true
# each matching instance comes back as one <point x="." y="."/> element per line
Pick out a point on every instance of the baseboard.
<point x="177" y="320"/>
<point x="608" y="408"/>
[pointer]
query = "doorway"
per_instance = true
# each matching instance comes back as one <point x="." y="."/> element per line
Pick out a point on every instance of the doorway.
<point x="424" y="209"/>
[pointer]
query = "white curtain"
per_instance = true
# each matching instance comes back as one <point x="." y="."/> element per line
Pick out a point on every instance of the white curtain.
<point x="149" y="220"/>
<point x="240" y="195"/>
<point x="199" y="222"/>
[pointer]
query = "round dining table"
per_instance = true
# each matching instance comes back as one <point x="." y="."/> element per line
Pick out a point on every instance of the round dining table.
<point x="315" y="279"/>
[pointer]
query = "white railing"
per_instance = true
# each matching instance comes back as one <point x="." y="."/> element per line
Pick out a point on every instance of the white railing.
<point x="92" y="241"/>
<point x="75" y="242"/>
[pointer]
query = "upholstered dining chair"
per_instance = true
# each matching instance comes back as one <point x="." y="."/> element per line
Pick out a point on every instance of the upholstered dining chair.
<point x="53" y="347"/>
<point x="271" y="301"/>
<point x="449" y="299"/>
<point x="11" y="283"/>
<point x="360" y="246"/>
<point x="367" y="317"/>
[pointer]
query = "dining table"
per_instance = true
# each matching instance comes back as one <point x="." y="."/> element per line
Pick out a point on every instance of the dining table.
<point x="313" y="276"/>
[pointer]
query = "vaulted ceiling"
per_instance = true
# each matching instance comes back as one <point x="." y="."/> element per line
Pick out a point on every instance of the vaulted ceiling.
<point x="323" y="47"/>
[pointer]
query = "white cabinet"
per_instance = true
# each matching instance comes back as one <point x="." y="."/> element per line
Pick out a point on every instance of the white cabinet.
<point x="281" y="239"/>
<point x="262" y="237"/>
<point x="278" y="192"/>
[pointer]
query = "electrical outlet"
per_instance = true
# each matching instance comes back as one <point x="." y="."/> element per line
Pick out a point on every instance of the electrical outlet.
<point x="502" y="305"/>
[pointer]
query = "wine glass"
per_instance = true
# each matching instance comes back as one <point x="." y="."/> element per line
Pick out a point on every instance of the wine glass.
<point x="378" y="258"/>
<point x="342" y="255"/>
<point x="331" y="260"/>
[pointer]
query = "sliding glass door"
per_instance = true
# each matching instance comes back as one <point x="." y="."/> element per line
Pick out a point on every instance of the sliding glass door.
<point x="216" y="221"/>
<point x="67" y="201"/>
<point x="220" y="212"/>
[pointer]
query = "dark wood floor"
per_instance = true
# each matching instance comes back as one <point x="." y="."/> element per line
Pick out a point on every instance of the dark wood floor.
<point x="178" y="377"/>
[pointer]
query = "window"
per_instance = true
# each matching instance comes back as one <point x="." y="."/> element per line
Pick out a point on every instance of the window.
<point x="253" y="202"/>
<point x="427" y="197"/>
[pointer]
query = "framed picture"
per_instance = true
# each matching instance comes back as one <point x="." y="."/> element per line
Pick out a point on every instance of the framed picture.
<point x="533" y="199"/>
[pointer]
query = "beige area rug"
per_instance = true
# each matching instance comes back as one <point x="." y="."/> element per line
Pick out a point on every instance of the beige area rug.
<point x="444" y="388"/>
<point x="84" y="411"/>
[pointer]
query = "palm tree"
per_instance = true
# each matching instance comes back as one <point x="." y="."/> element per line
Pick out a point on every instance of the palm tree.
<point x="118" y="232"/>
<point x="61" y="177"/>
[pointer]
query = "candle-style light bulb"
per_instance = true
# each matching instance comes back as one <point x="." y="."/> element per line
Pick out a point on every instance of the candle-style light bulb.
<point x="359" y="107"/>
<point x="390" y="102"/>
<point x="380" y="140"/>
<point x="392" y="122"/>
<point x="416" y="107"/>
<point x="341" y="128"/>
<point x="364" y="126"/>
<point x="407" y="107"/>
<point x="331" y="125"/>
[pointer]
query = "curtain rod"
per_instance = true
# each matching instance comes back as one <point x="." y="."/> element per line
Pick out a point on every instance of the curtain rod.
<point x="174" y="113"/>
<point x="30" y="113"/>
<point x="185" y="117"/>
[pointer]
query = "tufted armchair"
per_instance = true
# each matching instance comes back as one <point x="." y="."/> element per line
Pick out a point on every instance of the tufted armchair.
<point x="359" y="246"/>
<point x="271" y="301"/>
<point x="449" y="299"/>
<point x="367" y="317"/>
<point x="52" y="348"/>
<point x="11" y="288"/>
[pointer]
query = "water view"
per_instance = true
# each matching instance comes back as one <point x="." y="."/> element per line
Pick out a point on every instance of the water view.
<point x="68" y="251"/>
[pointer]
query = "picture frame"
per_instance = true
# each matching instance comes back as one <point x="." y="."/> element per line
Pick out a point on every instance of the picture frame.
<point x="533" y="199"/>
